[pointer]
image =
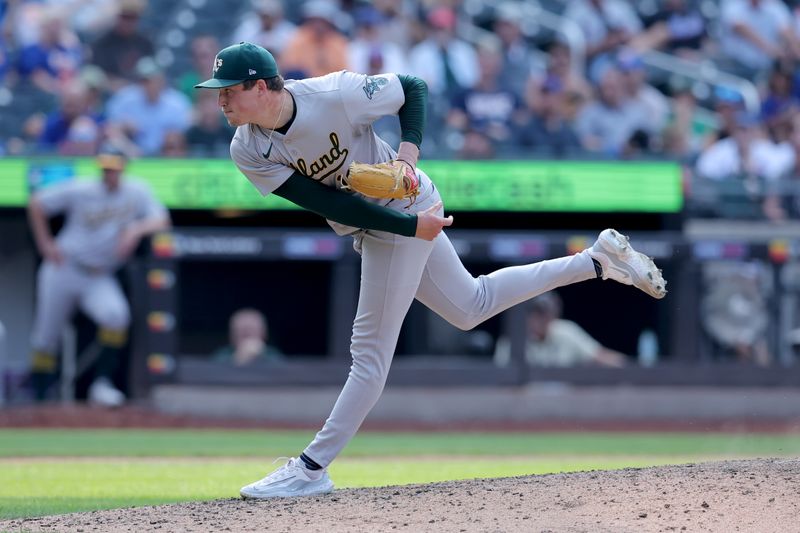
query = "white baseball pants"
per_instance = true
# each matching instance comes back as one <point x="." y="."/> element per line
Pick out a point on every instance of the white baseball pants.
<point x="61" y="289"/>
<point x="394" y="271"/>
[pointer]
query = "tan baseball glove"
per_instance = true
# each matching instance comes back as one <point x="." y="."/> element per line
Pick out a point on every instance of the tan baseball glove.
<point x="383" y="180"/>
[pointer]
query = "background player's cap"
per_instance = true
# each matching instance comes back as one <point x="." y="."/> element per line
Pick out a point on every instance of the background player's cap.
<point x="240" y="62"/>
<point x="111" y="158"/>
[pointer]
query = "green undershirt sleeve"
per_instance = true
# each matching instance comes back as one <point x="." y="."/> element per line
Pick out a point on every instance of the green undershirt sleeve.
<point x="344" y="208"/>
<point x="412" y="113"/>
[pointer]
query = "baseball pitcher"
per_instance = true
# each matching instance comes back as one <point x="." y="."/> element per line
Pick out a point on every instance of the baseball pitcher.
<point x="299" y="140"/>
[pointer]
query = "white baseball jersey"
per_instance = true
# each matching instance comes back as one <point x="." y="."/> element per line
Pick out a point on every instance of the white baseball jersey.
<point x="95" y="217"/>
<point x="333" y="128"/>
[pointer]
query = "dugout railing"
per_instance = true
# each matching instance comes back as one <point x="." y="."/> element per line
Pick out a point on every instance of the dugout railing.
<point x="687" y="355"/>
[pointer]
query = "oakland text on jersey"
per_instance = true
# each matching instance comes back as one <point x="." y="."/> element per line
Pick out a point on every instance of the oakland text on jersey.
<point x="335" y="156"/>
<point x="95" y="218"/>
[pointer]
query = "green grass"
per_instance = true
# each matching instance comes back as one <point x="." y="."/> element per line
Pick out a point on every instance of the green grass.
<point x="252" y="443"/>
<point x="85" y="470"/>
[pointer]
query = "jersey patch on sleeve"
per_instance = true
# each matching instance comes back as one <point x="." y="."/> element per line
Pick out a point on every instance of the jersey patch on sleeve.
<point x="373" y="84"/>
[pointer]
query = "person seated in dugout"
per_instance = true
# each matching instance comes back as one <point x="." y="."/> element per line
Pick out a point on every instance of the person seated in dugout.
<point x="552" y="341"/>
<point x="249" y="340"/>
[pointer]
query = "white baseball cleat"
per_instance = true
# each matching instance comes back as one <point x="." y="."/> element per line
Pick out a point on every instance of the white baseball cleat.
<point x="292" y="479"/>
<point x="622" y="263"/>
<point x="103" y="392"/>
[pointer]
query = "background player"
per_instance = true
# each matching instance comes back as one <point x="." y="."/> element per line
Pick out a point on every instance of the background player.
<point x="296" y="140"/>
<point x="104" y="223"/>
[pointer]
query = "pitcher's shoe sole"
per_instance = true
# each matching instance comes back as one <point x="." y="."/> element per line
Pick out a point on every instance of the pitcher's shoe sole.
<point x="622" y="263"/>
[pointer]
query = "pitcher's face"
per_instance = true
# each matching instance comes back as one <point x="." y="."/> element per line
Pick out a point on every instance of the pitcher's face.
<point x="240" y="106"/>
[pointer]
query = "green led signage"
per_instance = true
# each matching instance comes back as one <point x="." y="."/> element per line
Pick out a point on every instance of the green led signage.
<point x="566" y="186"/>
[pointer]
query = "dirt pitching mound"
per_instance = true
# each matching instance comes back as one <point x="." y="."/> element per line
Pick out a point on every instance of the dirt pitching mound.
<point x="752" y="495"/>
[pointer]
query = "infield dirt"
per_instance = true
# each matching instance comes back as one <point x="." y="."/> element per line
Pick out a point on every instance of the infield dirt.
<point x="753" y="495"/>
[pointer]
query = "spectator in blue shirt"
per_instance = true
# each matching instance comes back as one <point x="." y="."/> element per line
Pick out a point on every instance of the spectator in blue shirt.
<point x="549" y="131"/>
<point x="3" y="46"/>
<point x="677" y="28"/>
<point x="145" y="112"/>
<point x="54" y="59"/>
<point x="488" y="107"/>
<point x="72" y="129"/>
<point x="608" y="125"/>
<point x="780" y="103"/>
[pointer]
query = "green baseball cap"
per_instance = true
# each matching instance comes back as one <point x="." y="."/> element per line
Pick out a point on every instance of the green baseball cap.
<point x="240" y="62"/>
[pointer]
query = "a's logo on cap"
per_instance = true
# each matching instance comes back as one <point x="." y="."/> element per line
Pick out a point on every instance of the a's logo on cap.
<point x="217" y="64"/>
<point x="250" y="72"/>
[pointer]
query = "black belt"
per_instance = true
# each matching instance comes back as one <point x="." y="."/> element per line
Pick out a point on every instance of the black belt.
<point x="91" y="270"/>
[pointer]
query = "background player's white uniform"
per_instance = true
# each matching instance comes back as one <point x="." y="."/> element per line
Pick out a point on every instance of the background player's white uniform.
<point x="332" y="128"/>
<point x="94" y="220"/>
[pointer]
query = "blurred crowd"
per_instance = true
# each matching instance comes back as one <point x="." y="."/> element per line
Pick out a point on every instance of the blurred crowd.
<point x="507" y="79"/>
